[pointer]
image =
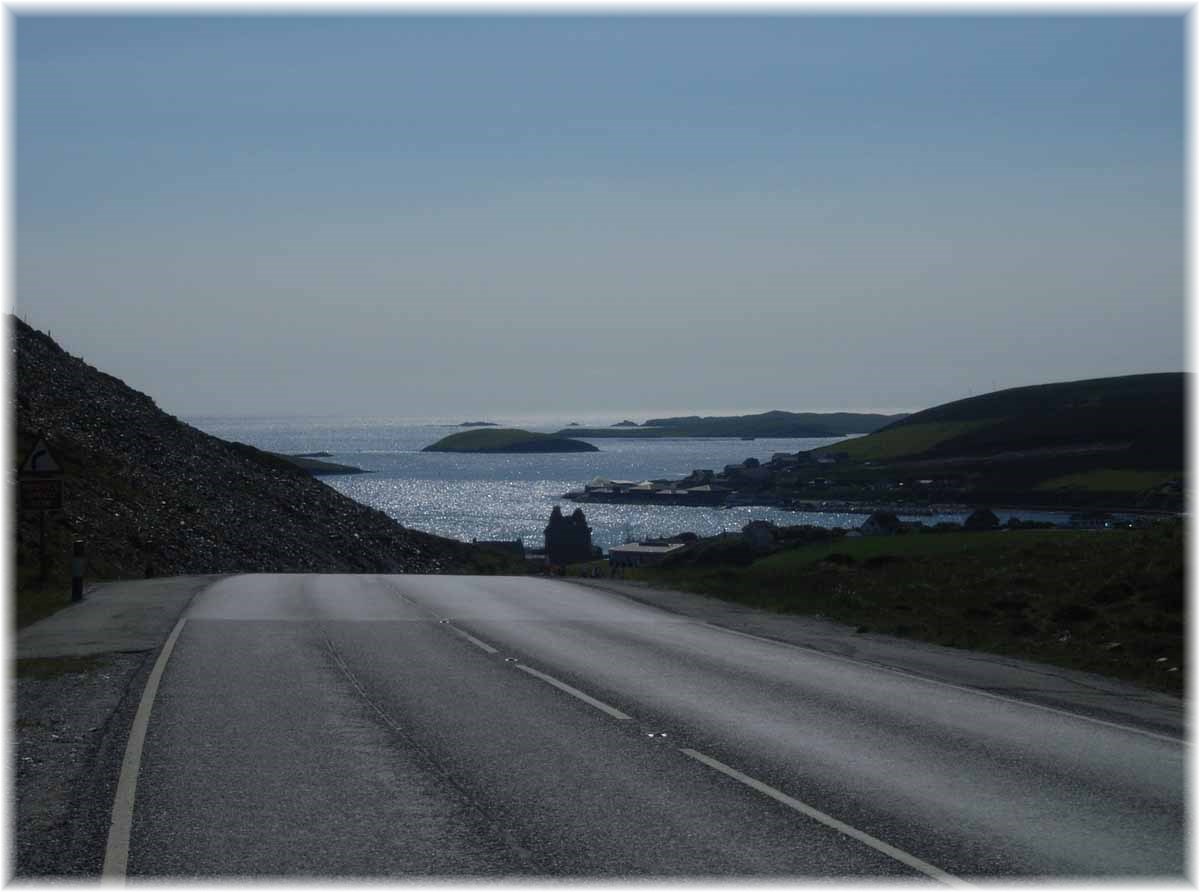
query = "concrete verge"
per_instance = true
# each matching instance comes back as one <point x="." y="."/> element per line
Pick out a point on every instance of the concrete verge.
<point x="115" y="617"/>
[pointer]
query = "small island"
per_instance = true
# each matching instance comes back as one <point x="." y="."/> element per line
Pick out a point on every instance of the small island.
<point x="479" y="424"/>
<point x="508" y="440"/>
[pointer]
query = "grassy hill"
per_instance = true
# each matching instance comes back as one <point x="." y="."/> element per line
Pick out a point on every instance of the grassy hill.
<point x="1142" y="414"/>
<point x="1104" y="441"/>
<point x="507" y="440"/>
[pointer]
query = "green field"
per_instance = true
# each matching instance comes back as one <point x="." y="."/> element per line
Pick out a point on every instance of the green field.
<point x="1109" y="602"/>
<point x="910" y="439"/>
<point x="1108" y="480"/>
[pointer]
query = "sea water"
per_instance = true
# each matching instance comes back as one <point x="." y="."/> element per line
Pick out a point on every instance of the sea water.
<point x="505" y="497"/>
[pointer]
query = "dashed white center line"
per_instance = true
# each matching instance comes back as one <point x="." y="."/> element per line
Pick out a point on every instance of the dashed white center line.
<point x="575" y="692"/>
<point x="877" y="844"/>
<point x="779" y="796"/>
<point x="482" y="645"/>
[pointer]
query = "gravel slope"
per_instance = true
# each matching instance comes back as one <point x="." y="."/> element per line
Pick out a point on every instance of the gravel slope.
<point x="150" y="493"/>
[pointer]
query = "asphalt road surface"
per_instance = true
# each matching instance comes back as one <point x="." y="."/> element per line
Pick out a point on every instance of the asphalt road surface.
<point x="353" y="726"/>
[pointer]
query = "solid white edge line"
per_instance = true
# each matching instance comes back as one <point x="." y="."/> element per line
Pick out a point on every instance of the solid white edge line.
<point x="482" y="645"/>
<point x="957" y="687"/>
<point x="575" y="692"/>
<point x="879" y="845"/>
<point x="116" y="852"/>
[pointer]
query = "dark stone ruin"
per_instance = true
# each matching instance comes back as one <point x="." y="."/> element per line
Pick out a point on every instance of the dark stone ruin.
<point x="568" y="539"/>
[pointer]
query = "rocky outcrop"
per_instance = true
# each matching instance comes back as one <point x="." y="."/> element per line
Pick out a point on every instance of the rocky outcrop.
<point x="150" y="493"/>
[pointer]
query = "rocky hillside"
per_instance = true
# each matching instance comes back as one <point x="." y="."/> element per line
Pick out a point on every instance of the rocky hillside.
<point x="150" y="494"/>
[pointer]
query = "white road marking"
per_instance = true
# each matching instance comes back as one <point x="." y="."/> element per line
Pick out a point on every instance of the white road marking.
<point x="116" y="852"/>
<point x="395" y="587"/>
<point x="482" y="645"/>
<point x="879" y="845"/>
<point x="575" y="692"/>
<point x="957" y="687"/>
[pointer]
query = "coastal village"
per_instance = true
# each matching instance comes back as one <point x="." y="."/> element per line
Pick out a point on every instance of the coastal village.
<point x="750" y="482"/>
<point x="797" y="481"/>
<point x="828" y="480"/>
<point x="790" y="481"/>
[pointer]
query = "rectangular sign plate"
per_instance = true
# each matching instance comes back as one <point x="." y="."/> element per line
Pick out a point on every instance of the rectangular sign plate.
<point x="41" y="495"/>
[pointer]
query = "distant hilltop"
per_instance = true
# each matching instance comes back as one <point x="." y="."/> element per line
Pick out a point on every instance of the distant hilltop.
<point x="776" y="423"/>
<point x="508" y="440"/>
<point x="1132" y="421"/>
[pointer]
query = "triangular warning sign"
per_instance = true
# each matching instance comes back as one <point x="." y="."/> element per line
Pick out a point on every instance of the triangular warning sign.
<point x="40" y="461"/>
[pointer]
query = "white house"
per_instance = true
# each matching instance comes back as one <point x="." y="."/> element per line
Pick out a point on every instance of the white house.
<point x="640" y="555"/>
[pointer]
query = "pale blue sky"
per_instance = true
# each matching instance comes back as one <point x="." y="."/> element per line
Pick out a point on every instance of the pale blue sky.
<point x="461" y="215"/>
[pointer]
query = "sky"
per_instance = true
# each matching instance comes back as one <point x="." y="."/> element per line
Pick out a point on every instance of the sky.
<point x="438" y="216"/>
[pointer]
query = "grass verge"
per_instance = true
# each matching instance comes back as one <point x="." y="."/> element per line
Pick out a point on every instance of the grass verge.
<point x="36" y="600"/>
<point x="1110" y="602"/>
<point x="52" y="667"/>
<point x="1111" y="480"/>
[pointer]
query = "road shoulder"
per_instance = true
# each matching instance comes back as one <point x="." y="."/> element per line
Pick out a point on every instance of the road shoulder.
<point x="1058" y="688"/>
<point x="79" y="675"/>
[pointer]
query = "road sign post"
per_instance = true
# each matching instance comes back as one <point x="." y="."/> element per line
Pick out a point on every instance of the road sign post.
<point x="77" y="571"/>
<point x="43" y="551"/>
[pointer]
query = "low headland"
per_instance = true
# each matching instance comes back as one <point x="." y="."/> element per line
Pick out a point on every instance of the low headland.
<point x="513" y="440"/>
<point x="775" y="423"/>
<point x="318" y="467"/>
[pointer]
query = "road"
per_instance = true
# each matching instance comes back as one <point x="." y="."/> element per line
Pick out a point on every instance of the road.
<point x="351" y="726"/>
